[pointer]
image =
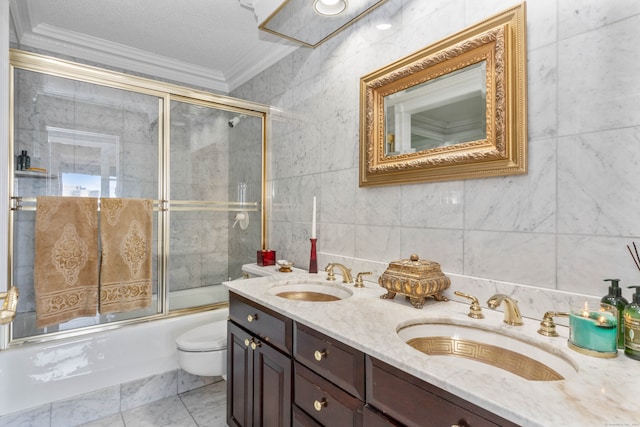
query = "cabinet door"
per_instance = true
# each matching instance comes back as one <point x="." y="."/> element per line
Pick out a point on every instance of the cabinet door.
<point x="239" y="377"/>
<point x="271" y="386"/>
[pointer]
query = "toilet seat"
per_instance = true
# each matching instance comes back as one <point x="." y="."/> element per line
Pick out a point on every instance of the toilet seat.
<point x="207" y="337"/>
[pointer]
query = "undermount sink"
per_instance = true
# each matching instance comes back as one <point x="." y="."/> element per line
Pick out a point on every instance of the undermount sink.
<point x="528" y="360"/>
<point x="310" y="291"/>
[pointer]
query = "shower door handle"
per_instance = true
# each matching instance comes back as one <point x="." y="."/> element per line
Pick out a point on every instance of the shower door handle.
<point x="9" y="307"/>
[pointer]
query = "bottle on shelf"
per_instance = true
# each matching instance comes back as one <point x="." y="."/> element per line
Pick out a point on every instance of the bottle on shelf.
<point x="20" y="161"/>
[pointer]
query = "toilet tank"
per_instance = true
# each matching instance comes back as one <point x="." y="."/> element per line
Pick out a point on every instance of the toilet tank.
<point x="249" y="271"/>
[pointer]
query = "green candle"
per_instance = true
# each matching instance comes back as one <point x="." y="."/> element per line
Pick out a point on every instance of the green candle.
<point x="593" y="330"/>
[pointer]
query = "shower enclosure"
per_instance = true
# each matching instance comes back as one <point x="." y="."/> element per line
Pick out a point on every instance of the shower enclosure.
<point x="90" y="132"/>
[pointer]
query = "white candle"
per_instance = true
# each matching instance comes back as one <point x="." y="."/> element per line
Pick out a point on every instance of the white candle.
<point x="313" y="219"/>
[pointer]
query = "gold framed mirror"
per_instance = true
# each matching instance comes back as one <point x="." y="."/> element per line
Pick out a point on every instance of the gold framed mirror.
<point x="456" y="109"/>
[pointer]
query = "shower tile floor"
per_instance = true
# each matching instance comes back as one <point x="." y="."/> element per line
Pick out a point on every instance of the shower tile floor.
<point x="202" y="407"/>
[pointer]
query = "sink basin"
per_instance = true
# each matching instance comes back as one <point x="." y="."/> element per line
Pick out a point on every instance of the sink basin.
<point x="311" y="291"/>
<point x="531" y="361"/>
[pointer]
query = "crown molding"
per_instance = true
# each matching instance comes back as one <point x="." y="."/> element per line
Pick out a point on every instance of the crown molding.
<point x="75" y="45"/>
<point x="93" y="49"/>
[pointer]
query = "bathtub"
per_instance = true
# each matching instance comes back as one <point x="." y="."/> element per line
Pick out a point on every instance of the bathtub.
<point x="35" y="374"/>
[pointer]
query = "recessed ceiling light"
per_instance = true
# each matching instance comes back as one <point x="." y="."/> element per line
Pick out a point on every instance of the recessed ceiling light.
<point x="384" y="26"/>
<point x="329" y="7"/>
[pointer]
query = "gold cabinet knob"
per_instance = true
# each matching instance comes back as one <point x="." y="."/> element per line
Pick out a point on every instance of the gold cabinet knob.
<point x="255" y="344"/>
<point x="251" y="318"/>
<point x="319" y="355"/>
<point x="247" y="342"/>
<point x="319" y="404"/>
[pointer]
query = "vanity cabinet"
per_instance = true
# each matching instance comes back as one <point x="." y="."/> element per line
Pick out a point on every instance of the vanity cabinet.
<point x="259" y="367"/>
<point x="283" y="373"/>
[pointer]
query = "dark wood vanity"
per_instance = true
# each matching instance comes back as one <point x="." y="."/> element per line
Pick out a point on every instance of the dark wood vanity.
<point x="283" y="373"/>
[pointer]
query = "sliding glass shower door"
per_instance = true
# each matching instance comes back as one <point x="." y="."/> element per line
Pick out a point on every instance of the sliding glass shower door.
<point x="198" y="157"/>
<point x="211" y="185"/>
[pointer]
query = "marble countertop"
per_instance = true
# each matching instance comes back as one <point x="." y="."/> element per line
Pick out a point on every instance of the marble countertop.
<point x="599" y="392"/>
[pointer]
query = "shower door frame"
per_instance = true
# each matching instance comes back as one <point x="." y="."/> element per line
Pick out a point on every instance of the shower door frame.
<point x="165" y="92"/>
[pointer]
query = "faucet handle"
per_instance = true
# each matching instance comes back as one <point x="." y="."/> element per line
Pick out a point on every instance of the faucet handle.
<point x="359" y="281"/>
<point x="330" y="274"/>
<point x="475" y="311"/>
<point x="548" y="326"/>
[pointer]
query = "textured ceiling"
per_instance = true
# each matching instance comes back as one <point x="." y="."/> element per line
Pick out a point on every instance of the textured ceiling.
<point x="210" y="43"/>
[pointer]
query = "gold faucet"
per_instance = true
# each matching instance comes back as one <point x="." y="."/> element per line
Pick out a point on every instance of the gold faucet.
<point x="346" y="272"/>
<point x="511" y="312"/>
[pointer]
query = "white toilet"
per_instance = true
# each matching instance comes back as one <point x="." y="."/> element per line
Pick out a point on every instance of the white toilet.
<point x="203" y="351"/>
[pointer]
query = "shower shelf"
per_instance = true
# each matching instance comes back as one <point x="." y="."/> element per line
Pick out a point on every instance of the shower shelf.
<point x="34" y="174"/>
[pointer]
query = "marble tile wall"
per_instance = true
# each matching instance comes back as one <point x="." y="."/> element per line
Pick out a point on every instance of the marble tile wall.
<point x="563" y="226"/>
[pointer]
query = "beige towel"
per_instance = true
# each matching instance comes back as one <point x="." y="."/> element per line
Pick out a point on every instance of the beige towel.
<point x="66" y="259"/>
<point x="125" y="273"/>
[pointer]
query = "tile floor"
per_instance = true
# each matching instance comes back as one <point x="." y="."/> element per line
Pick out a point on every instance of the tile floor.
<point x="202" y="407"/>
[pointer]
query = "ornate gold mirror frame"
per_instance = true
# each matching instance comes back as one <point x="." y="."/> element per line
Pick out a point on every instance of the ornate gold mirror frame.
<point x="499" y="42"/>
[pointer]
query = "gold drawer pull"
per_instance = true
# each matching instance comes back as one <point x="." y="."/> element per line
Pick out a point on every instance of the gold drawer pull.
<point x="319" y="404"/>
<point x="255" y="344"/>
<point x="319" y="355"/>
<point x="247" y="342"/>
<point x="251" y="318"/>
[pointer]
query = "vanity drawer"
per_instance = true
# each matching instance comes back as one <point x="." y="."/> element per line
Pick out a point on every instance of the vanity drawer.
<point x="414" y="402"/>
<point x="301" y="419"/>
<point x="270" y="326"/>
<point x="373" y="418"/>
<point x="324" y="402"/>
<point x="337" y="362"/>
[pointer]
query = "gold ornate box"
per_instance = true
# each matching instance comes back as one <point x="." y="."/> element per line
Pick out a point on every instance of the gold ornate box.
<point x="416" y="279"/>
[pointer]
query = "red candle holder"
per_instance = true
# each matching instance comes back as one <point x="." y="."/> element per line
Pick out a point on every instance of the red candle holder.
<point x="313" y="259"/>
<point x="266" y="257"/>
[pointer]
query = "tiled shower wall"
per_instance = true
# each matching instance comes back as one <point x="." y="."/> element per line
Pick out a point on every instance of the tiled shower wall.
<point x="564" y="225"/>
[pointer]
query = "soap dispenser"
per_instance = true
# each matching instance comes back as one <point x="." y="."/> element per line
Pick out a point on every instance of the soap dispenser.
<point x="632" y="326"/>
<point x="616" y="299"/>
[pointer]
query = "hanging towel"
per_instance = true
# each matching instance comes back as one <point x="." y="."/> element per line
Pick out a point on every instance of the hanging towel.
<point x="126" y="239"/>
<point x="66" y="259"/>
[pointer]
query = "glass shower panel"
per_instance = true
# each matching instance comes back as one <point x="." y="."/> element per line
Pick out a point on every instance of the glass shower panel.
<point x="204" y="202"/>
<point x="83" y="140"/>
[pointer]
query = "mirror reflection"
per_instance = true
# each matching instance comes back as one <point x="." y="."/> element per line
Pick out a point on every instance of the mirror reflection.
<point x="447" y="110"/>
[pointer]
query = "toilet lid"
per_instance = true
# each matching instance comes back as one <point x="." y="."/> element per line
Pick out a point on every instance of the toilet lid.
<point x="207" y="337"/>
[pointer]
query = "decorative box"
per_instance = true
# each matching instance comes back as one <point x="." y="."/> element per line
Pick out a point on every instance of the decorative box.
<point x="416" y="279"/>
